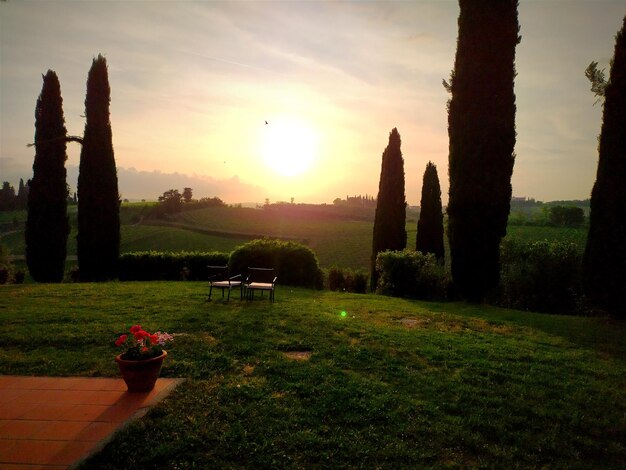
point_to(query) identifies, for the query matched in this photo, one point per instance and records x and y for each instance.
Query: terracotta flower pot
(140, 376)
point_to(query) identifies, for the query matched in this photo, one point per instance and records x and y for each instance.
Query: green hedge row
(294, 263)
(347, 280)
(155, 265)
(540, 276)
(411, 274)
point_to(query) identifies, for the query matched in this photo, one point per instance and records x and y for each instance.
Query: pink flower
(121, 340)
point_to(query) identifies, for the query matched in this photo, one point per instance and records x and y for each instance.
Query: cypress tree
(98, 240)
(390, 218)
(47, 224)
(22, 195)
(430, 224)
(481, 128)
(604, 262)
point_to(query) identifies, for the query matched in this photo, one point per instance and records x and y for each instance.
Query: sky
(255, 100)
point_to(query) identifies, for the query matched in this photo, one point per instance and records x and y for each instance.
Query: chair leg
(210, 291)
(228, 299)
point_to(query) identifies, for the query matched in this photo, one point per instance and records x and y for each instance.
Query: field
(338, 238)
(393, 384)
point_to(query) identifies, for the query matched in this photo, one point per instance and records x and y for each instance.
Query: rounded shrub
(294, 263)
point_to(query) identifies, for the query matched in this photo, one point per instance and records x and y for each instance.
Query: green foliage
(541, 276)
(295, 264)
(169, 203)
(347, 280)
(604, 265)
(567, 216)
(481, 127)
(430, 224)
(390, 218)
(98, 241)
(154, 265)
(597, 79)
(411, 274)
(47, 225)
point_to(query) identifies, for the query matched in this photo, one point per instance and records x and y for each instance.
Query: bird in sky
(266, 123)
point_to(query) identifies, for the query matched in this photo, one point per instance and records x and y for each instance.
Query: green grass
(460, 386)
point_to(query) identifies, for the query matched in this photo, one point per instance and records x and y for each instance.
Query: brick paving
(55, 422)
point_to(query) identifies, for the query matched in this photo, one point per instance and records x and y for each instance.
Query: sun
(289, 146)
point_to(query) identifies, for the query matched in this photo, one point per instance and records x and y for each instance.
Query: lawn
(393, 383)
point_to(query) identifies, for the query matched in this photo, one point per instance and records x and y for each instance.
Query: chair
(260, 279)
(218, 277)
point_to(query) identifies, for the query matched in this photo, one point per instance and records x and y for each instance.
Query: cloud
(135, 184)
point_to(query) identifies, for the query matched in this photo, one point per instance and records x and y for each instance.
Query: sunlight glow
(289, 146)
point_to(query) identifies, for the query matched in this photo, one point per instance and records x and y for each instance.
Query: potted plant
(141, 364)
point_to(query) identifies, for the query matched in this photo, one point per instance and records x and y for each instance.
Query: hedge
(295, 264)
(156, 265)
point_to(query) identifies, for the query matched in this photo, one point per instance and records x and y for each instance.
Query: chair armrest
(238, 276)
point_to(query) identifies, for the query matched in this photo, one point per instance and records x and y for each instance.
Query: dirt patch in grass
(413, 322)
(298, 355)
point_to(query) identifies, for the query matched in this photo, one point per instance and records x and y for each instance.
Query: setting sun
(289, 146)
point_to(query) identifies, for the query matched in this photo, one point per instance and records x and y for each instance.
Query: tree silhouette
(98, 240)
(481, 128)
(390, 218)
(604, 261)
(47, 224)
(22, 195)
(430, 224)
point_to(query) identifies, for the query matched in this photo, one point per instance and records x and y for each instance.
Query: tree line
(47, 224)
(481, 130)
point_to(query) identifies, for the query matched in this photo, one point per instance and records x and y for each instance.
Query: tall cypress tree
(430, 224)
(604, 262)
(98, 199)
(22, 195)
(47, 225)
(390, 218)
(481, 128)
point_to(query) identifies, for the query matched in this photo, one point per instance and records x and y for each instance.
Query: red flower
(154, 339)
(144, 349)
(135, 329)
(121, 340)
(140, 335)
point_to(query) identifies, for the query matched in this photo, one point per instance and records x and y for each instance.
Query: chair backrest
(218, 273)
(261, 275)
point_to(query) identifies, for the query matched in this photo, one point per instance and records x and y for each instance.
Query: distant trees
(356, 201)
(390, 218)
(47, 225)
(481, 128)
(9, 200)
(98, 240)
(171, 201)
(430, 224)
(566, 216)
(604, 262)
